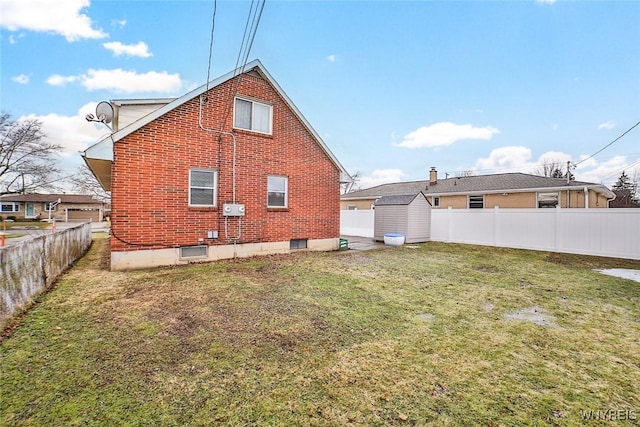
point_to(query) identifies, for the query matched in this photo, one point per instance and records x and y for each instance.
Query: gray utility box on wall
(232, 209)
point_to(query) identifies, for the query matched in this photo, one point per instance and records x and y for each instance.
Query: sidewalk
(362, 243)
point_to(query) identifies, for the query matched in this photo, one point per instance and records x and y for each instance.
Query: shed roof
(398, 199)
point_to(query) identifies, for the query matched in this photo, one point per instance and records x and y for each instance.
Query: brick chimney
(433, 176)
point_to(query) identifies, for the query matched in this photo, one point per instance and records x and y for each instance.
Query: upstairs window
(476, 202)
(436, 202)
(252, 115)
(202, 187)
(277, 193)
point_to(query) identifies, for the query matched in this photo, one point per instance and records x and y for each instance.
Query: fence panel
(602, 232)
(357, 223)
(30, 266)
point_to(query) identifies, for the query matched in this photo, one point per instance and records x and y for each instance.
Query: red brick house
(230, 169)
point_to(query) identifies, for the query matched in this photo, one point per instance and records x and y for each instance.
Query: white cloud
(607, 125)
(505, 158)
(73, 133)
(22, 79)
(59, 17)
(607, 171)
(120, 23)
(381, 176)
(445, 133)
(139, 49)
(121, 81)
(331, 58)
(58, 80)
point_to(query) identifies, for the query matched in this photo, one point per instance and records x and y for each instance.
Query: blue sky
(393, 88)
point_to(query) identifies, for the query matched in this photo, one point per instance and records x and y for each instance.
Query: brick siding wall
(150, 177)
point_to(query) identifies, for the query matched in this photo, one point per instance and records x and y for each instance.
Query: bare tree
(464, 174)
(27, 159)
(550, 168)
(86, 183)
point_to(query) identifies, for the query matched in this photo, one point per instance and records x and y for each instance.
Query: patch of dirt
(534, 315)
(591, 262)
(486, 268)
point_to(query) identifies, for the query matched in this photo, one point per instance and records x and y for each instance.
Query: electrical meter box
(232, 209)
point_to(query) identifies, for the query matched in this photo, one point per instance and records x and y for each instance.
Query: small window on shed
(298, 244)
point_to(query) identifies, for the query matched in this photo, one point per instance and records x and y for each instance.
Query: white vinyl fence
(601, 232)
(30, 266)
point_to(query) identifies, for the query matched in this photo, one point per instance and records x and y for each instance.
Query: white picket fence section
(601, 232)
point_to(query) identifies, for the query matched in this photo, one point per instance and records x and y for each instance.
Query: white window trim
(47, 206)
(215, 187)
(436, 201)
(286, 192)
(253, 103)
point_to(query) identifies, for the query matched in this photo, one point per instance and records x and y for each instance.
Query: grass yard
(433, 334)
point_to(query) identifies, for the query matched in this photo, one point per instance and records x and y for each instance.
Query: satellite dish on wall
(104, 111)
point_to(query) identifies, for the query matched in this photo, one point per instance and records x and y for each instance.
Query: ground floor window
(10, 207)
(202, 187)
(277, 192)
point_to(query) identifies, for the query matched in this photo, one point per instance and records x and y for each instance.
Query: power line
(213, 27)
(608, 145)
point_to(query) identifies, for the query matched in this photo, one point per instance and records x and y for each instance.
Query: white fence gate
(601, 232)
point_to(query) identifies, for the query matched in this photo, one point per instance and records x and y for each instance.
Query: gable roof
(103, 149)
(480, 184)
(65, 198)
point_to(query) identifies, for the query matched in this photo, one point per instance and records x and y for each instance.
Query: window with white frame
(436, 202)
(547, 200)
(10, 207)
(351, 207)
(252, 115)
(202, 187)
(277, 193)
(50, 206)
(476, 202)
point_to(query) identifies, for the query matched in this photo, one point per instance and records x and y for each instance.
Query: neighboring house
(229, 169)
(61, 207)
(505, 190)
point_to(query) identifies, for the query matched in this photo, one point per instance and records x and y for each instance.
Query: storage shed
(408, 214)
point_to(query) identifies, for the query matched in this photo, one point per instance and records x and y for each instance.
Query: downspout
(586, 198)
